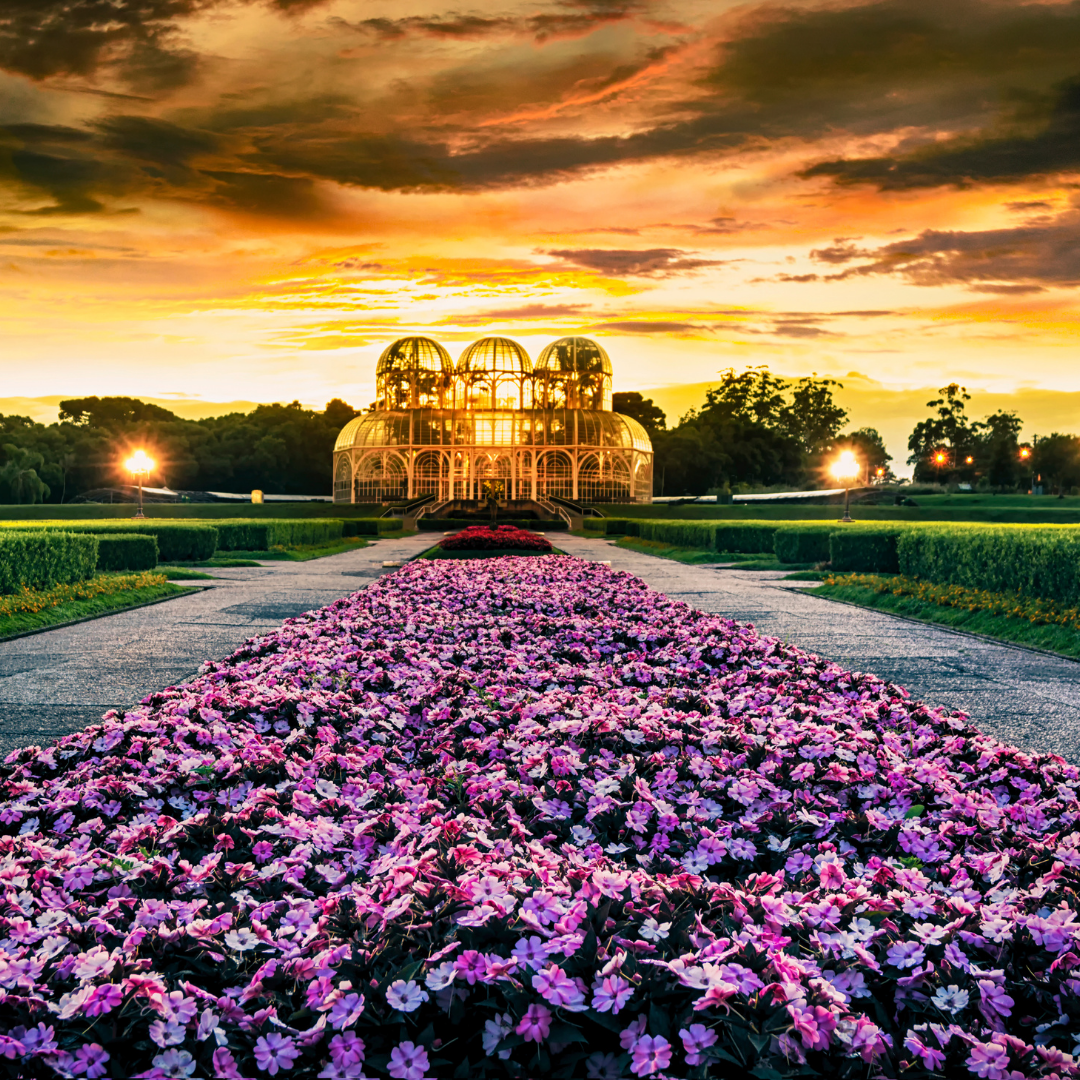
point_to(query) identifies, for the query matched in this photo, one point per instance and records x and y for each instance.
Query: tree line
(755, 429)
(280, 449)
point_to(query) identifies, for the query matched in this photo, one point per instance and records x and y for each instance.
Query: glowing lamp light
(846, 466)
(969, 460)
(1025, 453)
(140, 465)
(940, 458)
(139, 462)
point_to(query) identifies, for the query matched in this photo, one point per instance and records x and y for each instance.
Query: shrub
(749, 537)
(614, 526)
(127, 551)
(689, 534)
(176, 543)
(287, 532)
(1033, 561)
(39, 560)
(868, 549)
(807, 542)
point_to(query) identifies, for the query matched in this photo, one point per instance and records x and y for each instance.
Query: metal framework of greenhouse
(493, 424)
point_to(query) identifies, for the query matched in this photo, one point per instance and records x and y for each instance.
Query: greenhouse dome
(494, 424)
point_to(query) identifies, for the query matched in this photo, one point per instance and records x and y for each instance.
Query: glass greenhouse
(494, 423)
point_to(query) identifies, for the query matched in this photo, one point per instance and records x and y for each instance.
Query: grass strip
(769, 564)
(666, 551)
(301, 553)
(1034, 623)
(181, 573)
(30, 610)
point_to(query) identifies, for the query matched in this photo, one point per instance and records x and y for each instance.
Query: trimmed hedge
(866, 549)
(127, 551)
(613, 526)
(264, 535)
(176, 543)
(1031, 561)
(803, 543)
(687, 534)
(746, 537)
(39, 560)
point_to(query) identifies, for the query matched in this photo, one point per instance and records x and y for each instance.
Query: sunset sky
(227, 200)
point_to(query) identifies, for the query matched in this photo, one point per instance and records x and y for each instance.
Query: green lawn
(1057, 639)
(668, 551)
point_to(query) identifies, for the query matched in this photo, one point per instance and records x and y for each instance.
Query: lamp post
(140, 465)
(845, 468)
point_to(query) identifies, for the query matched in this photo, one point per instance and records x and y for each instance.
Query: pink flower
(274, 1052)
(814, 1025)
(630, 1035)
(408, 1062)
(650, 1054)
(610, 994)
(225, 1064)
(932, 1059)
(535, 1025)
(557, 988)
(105, 998)
(346, 1010)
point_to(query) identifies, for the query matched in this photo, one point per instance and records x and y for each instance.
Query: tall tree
(948, 433)
(644, 410)
(812, 417)
(19, 479)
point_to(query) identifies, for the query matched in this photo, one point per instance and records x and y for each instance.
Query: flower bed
(496, 538)
(533, 819)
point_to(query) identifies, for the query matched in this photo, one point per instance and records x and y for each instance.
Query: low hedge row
(39, 560)
(176, 543)
(127, 551)
(803, 543)
(264, 535)
(751, 537)
(1030, 561)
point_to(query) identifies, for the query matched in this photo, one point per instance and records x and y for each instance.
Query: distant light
(968, 460)
(846, 466)
(139, 462)
(1025, 452)
(940, 458)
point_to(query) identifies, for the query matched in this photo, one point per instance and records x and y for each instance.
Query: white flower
(651, 930)
(405, 996)
(495, 1031)
(951, 999)
(438, 978)
(241, 940)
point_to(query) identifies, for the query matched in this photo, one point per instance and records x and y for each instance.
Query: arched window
(343, 480)
(604, 478)
(381, 477)
(555, 474)
(431, 474)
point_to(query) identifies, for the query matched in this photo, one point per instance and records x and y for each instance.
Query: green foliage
(127, 551)
(1039, 561)
(264, 535)
(687, 534)
(807, 542)
(751, 537)
(613, 526)
(276, 448)
(644, 410)
(176, 542)
(869, 549)
(19, 479)
(40, 560)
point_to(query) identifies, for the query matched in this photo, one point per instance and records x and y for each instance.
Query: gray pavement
(59, 681)
(1023, 697)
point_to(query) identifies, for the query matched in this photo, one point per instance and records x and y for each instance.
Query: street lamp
(140, 465)
(845, 468)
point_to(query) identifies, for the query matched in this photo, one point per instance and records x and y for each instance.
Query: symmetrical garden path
(64, 679)
(1023, 697)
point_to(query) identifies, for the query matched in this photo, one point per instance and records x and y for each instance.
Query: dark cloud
(644, 326)
(619, 262)
(841, 250)
(1047, 144)
(1003, 261)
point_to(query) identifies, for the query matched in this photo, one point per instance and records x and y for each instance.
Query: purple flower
(404, 996)
(650, 1054)
(906, 954)
(347, 1009)
(989, 1060)
(696, 1039)
(274, 1052)
(90, 1061)
(408, 1062)
(611, 994)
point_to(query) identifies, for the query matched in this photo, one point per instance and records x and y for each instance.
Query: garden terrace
(533, 818)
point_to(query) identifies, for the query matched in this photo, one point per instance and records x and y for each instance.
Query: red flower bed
(495, 537)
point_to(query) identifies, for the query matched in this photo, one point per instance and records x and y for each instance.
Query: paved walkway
(1023, 697)
(61, 680)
